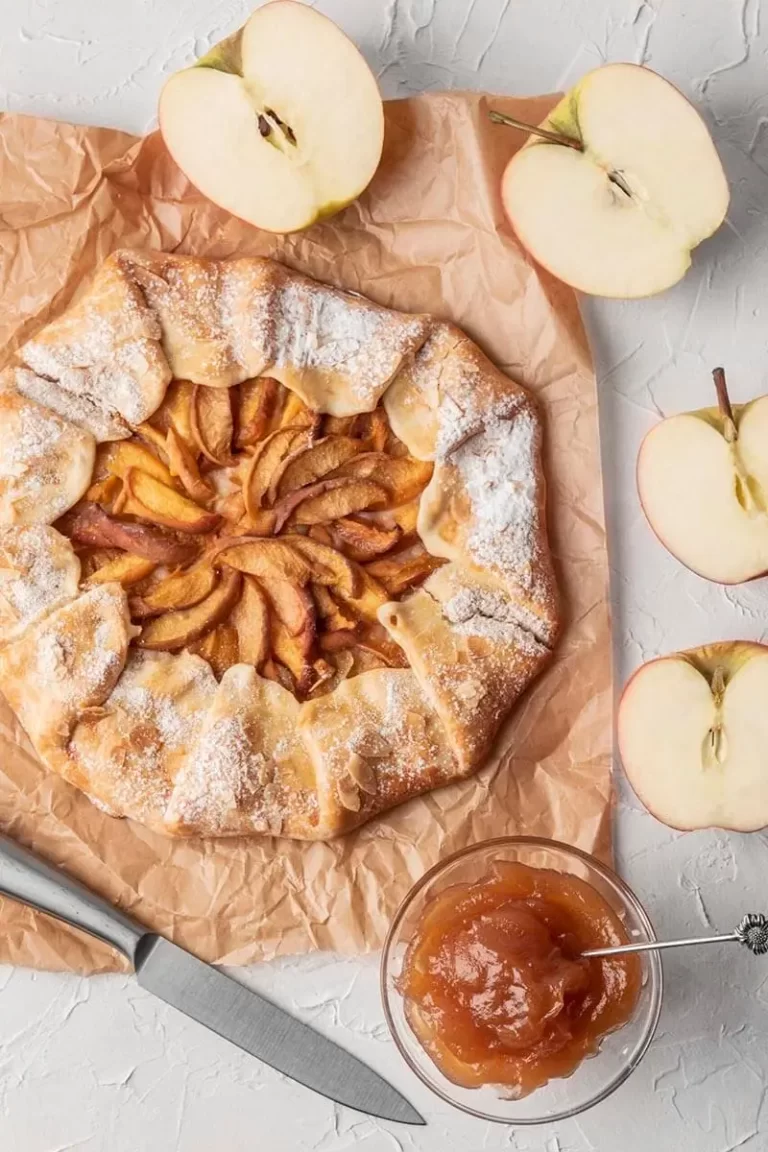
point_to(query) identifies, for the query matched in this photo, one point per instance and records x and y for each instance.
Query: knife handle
(25, 877)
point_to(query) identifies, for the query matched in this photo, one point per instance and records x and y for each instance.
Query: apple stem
(553, 137)
(724, 403)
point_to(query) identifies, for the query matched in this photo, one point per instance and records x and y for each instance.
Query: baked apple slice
(147, 498)
(329, 565)
(176, 411)
(335, 618)
(250, 617)
(371, 598)
(257, 402)
(182, 463)
(219, 648)
(364, 541)
(268, 560)
(317, 461)
(294, 652)
(104, 491)
(175, 630)
(182, 590)
(128, 455)
(285, 507)
(210, 422)
(125, 569)
(405, 517)
(337, 502)
(90, 525)
(264, 463)
(404, 477)
(297, 414)
(294, 606)
(399, 573)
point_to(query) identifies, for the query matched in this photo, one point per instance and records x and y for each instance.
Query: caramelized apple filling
(249, 528)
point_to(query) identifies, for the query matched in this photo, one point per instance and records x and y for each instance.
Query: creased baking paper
(428, 236)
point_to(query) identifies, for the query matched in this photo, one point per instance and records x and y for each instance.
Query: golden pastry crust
(152, 735)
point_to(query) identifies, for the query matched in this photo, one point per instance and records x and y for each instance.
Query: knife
(206, 994)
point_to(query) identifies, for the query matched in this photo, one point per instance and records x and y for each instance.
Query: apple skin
(225, 56)
(564, 119)
(714, 417)
(705, 658)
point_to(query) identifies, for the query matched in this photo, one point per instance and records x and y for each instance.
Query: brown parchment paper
(429, 235)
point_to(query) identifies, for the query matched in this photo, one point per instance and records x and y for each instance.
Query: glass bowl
(620, 1052)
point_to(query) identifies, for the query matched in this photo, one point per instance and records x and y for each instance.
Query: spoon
(752, 932)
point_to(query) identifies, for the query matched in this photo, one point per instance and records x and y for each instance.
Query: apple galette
(274, 558)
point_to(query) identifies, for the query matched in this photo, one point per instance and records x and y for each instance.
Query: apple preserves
(495, 988)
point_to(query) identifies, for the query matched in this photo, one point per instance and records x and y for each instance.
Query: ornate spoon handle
(752, 932)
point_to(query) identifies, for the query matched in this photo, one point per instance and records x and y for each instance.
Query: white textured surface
(97, 1066)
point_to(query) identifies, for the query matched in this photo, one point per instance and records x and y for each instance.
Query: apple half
(702, 478)
(633, 185)
(693, 736)
(281, 124)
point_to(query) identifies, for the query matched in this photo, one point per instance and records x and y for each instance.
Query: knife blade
(205, 993)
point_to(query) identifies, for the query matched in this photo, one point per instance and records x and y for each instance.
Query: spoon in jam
(752, 932)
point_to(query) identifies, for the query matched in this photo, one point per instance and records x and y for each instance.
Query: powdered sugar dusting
(27, 449)
(319, 329)
(495, 454)
(37, 567)
(229, 774)
(81, 410)
(69, 666)
(105, 349)
(489, 614)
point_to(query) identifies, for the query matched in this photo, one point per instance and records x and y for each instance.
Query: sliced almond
(348, 794)
(371, 744)
(362, 774)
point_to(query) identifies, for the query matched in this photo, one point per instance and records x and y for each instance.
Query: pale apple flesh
(704, 493)
(693, 737)
(282, 124)
(620, 216)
